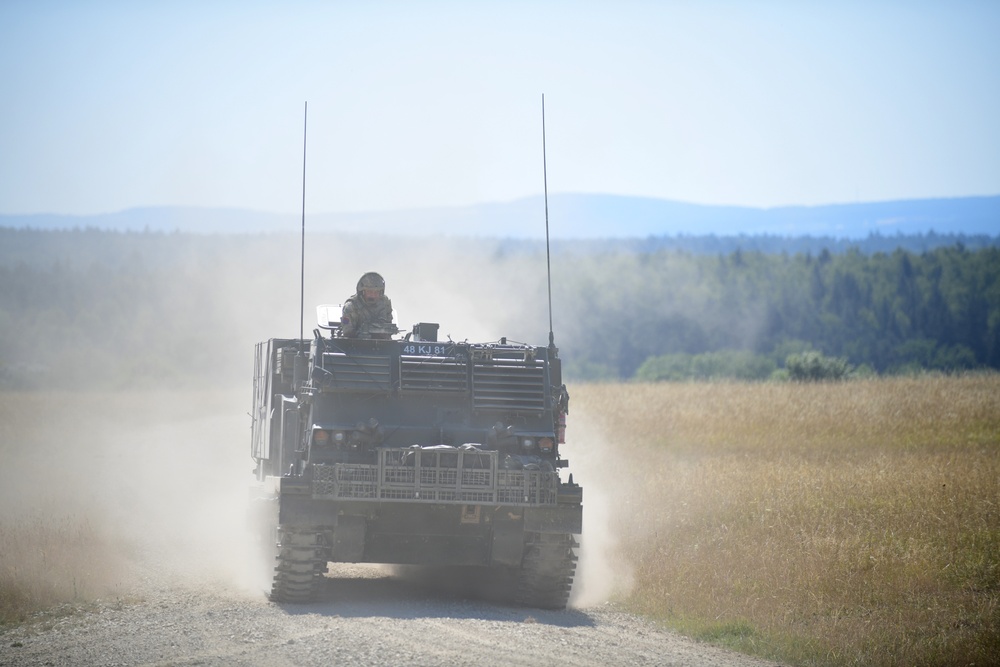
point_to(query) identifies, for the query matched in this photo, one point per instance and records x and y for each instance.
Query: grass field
(97, 490)
(820, 524)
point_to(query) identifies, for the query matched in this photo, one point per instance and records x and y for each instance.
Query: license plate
(426, 349)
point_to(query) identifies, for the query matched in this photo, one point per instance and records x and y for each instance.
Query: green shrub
(816, 367)
(724, 364)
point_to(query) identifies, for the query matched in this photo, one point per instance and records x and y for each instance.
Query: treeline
(887, 312)
(711, 244)
(83, 246)
(91, 308)
(101, 326)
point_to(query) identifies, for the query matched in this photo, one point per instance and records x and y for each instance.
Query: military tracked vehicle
(403, 449)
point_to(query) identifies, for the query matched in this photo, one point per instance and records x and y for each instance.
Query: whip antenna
(302, 258)
(548, 260)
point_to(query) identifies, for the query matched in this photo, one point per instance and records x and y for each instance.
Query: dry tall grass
(50, 560)
(821, 524)
(98, 491)
(51, 549)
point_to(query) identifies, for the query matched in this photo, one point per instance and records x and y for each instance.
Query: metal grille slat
(506, 384)
(436, 476)
(445, 374)
(356, 372)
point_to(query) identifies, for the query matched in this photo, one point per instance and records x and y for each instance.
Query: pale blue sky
(111, 105)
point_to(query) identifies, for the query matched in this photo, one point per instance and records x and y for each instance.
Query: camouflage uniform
(359, 317)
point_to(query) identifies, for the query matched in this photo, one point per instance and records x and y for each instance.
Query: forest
(92, 308)
(746, 312)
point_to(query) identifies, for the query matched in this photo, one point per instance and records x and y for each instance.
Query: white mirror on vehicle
(328, 316)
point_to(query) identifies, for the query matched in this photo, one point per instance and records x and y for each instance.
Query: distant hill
(571, 216)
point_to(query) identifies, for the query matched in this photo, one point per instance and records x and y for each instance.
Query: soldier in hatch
(368, 312)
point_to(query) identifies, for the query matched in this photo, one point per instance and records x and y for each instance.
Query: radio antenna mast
(548, 260)
(302, 258)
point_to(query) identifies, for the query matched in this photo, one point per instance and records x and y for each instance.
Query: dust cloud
(156, 482)
(158, 477)
(603, 571)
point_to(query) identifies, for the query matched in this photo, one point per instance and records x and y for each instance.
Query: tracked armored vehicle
(403, 449)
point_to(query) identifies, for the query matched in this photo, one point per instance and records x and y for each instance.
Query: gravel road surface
(366, 616)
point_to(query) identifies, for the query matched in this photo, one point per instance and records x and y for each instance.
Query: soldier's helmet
(371, 287)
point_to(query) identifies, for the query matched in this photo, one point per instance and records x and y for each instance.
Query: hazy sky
(110, 105)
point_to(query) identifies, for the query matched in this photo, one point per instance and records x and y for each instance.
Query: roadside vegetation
(100, 492)
(815, 524)
(50, 561)
(55, 549)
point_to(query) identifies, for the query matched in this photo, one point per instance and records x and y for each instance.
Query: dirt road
(366, 616)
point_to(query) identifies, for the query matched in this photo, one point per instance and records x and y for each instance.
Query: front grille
(435, 476)
(355, 372)
(345, 481)
(444, 374)
(511, 385)
(527, 487)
